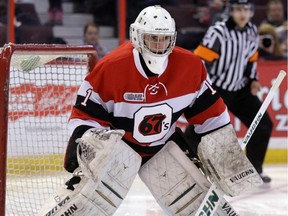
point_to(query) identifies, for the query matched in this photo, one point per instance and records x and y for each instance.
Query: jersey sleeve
(90, 109)
(208, 112)
(209, 49)
(251, 68)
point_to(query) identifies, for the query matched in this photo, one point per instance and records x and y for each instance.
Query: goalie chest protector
(119, 93)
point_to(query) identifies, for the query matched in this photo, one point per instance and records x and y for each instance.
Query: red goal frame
(5, 56)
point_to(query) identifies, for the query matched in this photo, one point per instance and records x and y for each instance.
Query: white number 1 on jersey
(88, 94)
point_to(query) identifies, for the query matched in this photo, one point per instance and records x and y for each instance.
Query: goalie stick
(215, 195)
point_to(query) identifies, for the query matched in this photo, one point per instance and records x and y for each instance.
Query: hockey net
(37, 98)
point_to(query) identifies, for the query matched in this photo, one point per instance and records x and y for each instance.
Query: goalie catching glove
(226, 163)
(94, 148)
(109, 167)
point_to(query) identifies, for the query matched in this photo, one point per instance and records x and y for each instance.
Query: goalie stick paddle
(263, 108)
(214, 195)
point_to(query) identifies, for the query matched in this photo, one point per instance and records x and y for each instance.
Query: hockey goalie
(124, 123)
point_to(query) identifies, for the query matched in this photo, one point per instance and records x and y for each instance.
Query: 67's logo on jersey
(152, 123)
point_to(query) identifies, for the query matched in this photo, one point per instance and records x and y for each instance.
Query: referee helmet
(246, 3)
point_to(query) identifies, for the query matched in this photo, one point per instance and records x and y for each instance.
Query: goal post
(38, 86)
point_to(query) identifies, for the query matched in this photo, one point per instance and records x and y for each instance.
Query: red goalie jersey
(118, 94)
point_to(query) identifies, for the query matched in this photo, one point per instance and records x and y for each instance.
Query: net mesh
(42, 91)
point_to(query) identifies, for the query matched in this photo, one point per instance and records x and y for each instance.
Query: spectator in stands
(276, 17)
(55, 13)
(91, 37)
(269, 46)
(275, 13)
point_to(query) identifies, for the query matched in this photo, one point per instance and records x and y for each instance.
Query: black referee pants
(245, 106)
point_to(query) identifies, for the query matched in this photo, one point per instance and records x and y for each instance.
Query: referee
(229, 49)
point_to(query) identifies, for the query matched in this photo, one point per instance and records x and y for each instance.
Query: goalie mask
(153, 34)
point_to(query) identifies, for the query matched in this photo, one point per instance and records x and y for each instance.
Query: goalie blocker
(109, 167)
(226, 163)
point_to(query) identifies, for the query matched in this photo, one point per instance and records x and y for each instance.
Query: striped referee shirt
(232, 53)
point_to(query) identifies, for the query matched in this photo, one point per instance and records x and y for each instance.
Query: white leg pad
(226, 162)
(67, 202)
(98, 196)
(167, 175)
(176, 183)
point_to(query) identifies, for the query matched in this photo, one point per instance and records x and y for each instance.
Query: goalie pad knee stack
(226, 163)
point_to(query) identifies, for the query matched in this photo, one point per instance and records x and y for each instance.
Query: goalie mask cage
(38, 89)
